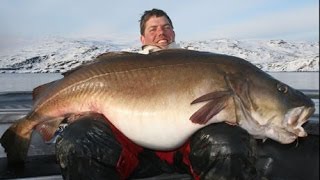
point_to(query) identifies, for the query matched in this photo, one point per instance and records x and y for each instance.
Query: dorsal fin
(113, 54)
(40, 89)
(100, 57)
(76, 68)
(217, 102)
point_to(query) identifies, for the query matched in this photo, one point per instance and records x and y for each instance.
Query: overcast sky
(193, 20)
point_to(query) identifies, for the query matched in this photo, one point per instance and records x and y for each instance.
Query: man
(92, 148)
(156, 31)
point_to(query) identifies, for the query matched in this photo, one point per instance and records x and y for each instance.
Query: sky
(192, 19)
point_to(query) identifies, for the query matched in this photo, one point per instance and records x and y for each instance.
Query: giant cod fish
(159, 100)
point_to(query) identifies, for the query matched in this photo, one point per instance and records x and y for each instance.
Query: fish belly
(158, 126)
(158, 131)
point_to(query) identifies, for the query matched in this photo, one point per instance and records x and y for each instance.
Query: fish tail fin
(16, 140)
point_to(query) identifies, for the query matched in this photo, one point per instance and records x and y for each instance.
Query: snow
(12, 82)
(57, 54)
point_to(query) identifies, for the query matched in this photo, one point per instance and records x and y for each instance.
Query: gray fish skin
(159, 100)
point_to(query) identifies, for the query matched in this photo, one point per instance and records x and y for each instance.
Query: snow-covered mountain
(62, 54)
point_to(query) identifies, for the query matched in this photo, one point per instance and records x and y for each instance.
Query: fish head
(268, 108)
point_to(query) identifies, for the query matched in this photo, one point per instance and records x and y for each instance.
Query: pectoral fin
(217, 102)
(48, 128)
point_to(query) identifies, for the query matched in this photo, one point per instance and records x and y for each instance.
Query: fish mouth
(295, 118)
(292, 125)
(286, 132)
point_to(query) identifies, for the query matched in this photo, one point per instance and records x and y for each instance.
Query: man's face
(158, 31)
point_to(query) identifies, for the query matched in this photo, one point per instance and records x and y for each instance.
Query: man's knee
(87, 149)
(224, 139)
(223, 151)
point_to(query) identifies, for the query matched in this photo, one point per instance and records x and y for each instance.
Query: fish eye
(282, 88)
